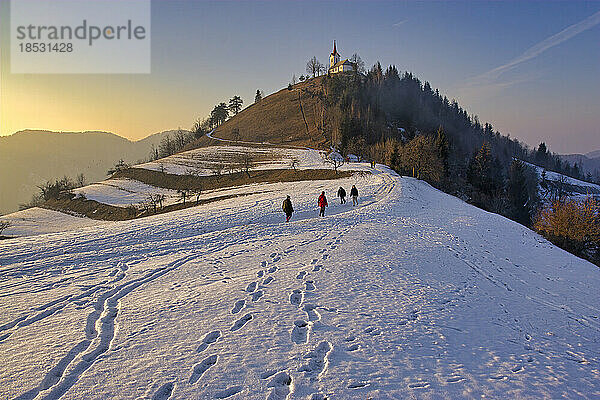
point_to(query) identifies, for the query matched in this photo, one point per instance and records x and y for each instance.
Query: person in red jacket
(322, 204)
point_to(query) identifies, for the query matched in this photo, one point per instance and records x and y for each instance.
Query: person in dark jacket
(354, 195)
(342, 195)
(322, 204)
(287, 208)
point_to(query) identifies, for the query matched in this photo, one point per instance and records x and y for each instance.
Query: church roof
(342, 62)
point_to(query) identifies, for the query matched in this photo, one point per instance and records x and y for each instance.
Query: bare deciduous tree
(335, 160)
(183, 194)
(314, 67)
(245, 162)
(294, 163)
(80, 180)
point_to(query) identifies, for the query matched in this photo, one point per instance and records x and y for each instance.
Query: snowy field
(123, 192)
(201, 161)
(413, 294)
(39, 221)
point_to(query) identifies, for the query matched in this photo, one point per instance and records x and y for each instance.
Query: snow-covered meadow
(202, 161)
(412, 294)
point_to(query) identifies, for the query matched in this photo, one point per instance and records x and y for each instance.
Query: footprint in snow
(311, 312)
(202, 367)
(301, 275)
(272, 269)
(237, 307)
(289, 249)
(353, 347)
(260, 273)
(310, 286)
(419, 385)
(209, 339)
(317, 268)
(281, 386)
(314, 261)
(317, 359)
(296, 297)
(230, 391)
(164, 392)
(517, 368)
(357, 385)
(241, 322)
(373, 331)
(257, 295)
(299, 333)
(251, 287)
(267, 280)
(263, 264)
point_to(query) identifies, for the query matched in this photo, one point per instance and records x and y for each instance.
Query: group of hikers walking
(321, 202)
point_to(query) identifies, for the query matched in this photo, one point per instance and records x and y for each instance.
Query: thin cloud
(397, 24)
(539, 48)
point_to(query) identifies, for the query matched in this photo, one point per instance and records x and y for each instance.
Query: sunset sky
(532, 69)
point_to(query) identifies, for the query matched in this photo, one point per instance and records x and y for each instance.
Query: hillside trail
(412, 294)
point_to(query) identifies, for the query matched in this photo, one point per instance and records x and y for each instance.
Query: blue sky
(205, 52)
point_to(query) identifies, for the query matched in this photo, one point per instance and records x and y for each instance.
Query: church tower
(334, 57)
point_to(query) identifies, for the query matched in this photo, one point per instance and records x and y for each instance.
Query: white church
(336, 66)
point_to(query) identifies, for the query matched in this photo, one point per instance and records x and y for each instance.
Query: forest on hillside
(402, 122)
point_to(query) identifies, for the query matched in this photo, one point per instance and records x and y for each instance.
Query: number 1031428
(46, 47)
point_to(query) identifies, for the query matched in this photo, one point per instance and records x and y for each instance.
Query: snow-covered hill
(412, 294)
(574, 188)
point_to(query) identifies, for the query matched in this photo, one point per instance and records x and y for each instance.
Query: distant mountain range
(589, 162)
(29, 158)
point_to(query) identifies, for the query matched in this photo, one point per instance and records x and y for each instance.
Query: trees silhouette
(521, 190)
(258, 97)
(235, 104)
(314, 67)
(359, 64)
(219, 114)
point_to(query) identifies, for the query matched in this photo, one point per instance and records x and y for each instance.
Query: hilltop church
(336, 66)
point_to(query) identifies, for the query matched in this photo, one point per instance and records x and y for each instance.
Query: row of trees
(219, 114)
(168, 145)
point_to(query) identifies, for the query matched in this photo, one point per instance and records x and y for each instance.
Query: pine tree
(541, 155)
(235, 104)
(518, 193)
(484, 171)
(258, 96)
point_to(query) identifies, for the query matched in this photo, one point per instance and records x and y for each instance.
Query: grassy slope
(277, 119)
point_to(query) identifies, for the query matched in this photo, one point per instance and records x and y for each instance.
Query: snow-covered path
(412, 294)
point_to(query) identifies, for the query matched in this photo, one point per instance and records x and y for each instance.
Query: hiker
(354, 195)
(322, 204)
(287, 208)
(342, 195)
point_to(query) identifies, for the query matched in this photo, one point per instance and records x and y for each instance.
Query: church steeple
(334, 57)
